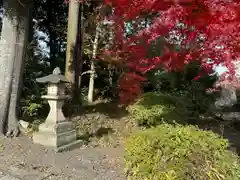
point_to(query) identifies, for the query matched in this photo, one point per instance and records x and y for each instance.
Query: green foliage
(181, 84)
(154, 108)
(35, 66)
(31, 108)
(175, 152)
(196, 100)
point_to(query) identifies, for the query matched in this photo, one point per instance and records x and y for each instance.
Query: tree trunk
(15, 34)
(73, 15)
(8, 40)
(92, 68)
(74, 52)
(110, 66)
(79, 52)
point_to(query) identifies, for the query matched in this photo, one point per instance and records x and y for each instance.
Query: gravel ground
(22, 159)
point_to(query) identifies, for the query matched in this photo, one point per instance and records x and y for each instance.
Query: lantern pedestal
(56, 131)
(63, 141)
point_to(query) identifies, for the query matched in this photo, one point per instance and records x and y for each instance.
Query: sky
(220, 69)
(42, 43)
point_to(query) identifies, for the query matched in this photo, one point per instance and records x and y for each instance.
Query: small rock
(227, 98)
(231, 116)
(24, 124)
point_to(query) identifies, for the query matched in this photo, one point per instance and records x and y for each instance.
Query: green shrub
(154, 108)
(196, 100)
(36, 66)
(182, 85)
(175, 152)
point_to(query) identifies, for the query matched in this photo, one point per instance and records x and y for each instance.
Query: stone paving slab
(27, 175)
(8, 177)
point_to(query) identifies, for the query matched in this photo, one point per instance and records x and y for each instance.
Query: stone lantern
(56, 131)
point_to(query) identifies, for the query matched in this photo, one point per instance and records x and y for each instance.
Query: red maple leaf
(210, 31)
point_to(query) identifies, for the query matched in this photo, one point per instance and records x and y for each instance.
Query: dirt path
(22, 159)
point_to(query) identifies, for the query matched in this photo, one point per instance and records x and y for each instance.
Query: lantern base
(59, 140)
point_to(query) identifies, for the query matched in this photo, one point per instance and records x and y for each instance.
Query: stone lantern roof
(55, 78)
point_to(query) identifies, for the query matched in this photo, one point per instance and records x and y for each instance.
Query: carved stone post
(56, 131)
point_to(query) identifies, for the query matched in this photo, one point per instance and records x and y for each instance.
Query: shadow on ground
(99, 133)
(110, 109)
(102, 124)
(227, 129)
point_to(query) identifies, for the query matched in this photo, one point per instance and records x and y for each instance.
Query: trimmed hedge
(154, 108)
(175, 152)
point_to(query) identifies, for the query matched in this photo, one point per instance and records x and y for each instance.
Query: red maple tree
(210, 32)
